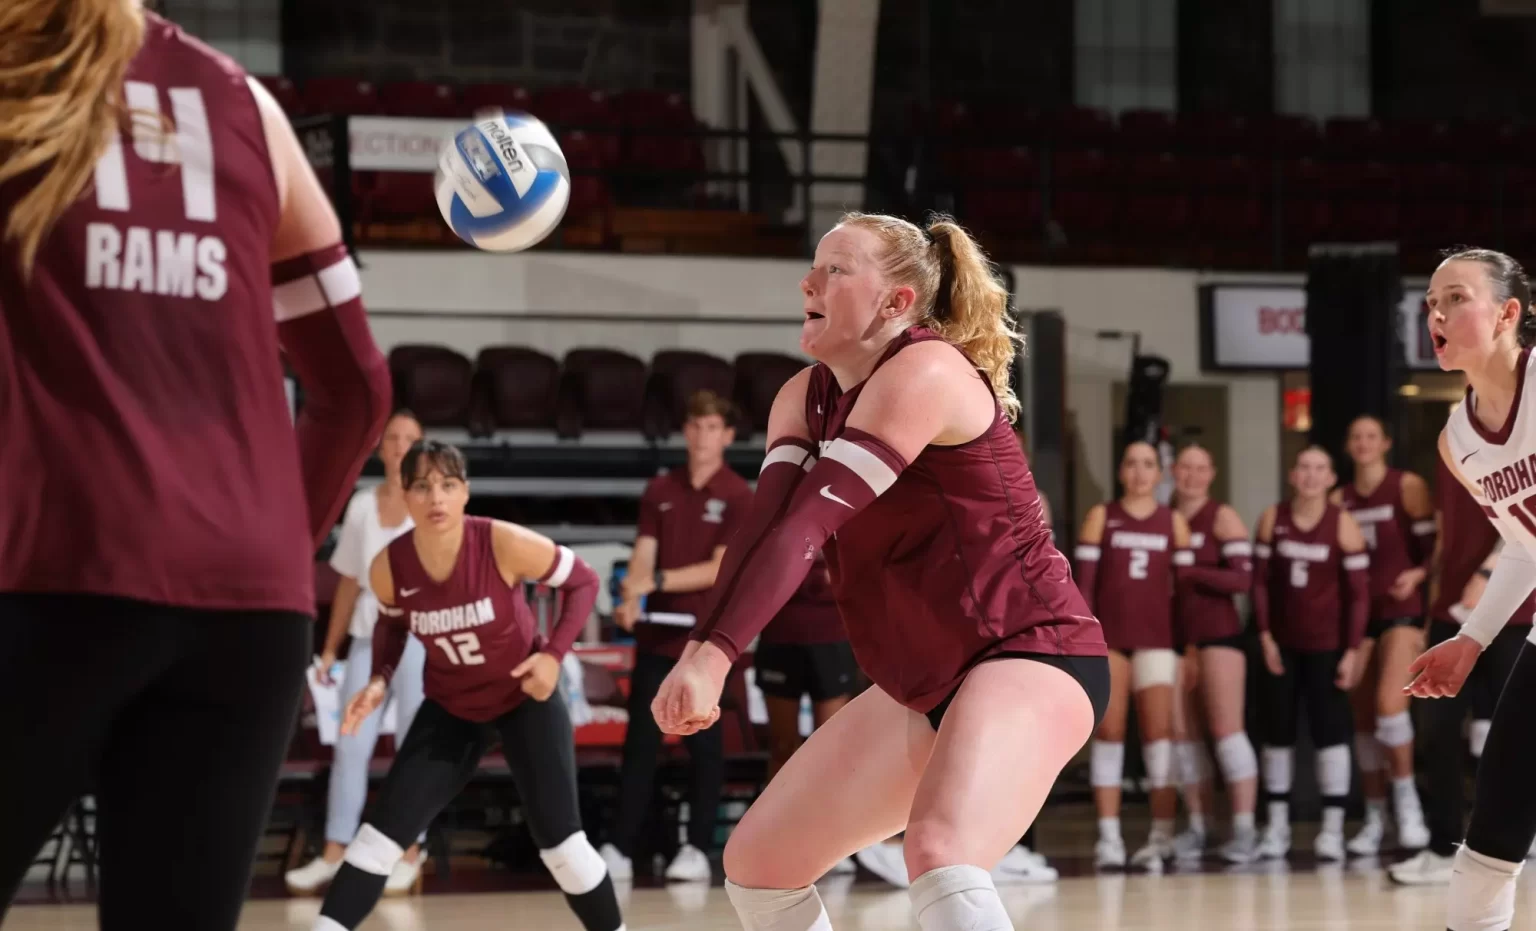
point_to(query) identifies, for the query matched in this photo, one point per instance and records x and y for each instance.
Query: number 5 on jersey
(462, 649)
(1298, 573)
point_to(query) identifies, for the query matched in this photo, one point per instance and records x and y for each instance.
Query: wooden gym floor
(1275, 896)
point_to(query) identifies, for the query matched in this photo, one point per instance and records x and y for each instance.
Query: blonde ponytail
(62, 64)
(958, 296)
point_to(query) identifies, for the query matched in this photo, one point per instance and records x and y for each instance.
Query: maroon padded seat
(434, 382)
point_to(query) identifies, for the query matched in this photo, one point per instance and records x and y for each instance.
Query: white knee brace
(1482, 893)
(1395, 730)
(1157, 756)
(1234, 753)
(1106, 764)
(1150, 668)
(577, 867)
(1191, 762)
(1279, 769)
(1368, 754)
(372, 852)
(778, 909)
(1477, 736)
(1333, 770)
(954, 897)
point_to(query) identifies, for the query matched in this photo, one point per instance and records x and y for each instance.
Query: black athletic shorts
(1380, 625)
(1091, 672)
(1235, 641)
(820, 670)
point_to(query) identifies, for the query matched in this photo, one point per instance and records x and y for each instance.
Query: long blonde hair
(62, 64)
(958, 296)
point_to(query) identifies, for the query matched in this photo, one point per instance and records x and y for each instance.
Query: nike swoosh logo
(1469, 456)
(826, 492)
(408, 592)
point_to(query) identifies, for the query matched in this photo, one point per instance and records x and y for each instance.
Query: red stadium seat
(419, 98)
(434, 382)
(573, 108)
(600, 389)
(402, 195)
(759, 376)
(1011, 212)
(1229, 216)
(1083, 211)
(340, 96)
(475, 97)
(1148, 130)
(1287, 134)
(1216, 133)
(676, 374)
(515, 388)
(1084, 127)
(652, 108)
(1071, 168)
(1013, 165)
(1157, 215)
(1354, 137)
(284, 91)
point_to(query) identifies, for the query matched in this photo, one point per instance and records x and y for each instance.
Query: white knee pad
(1157, 756)
(953, 897)
(1333, 770)
(1395, 730)
(1368, 755)
(1234, 753)
(576, 865)
(1191, 763)
(1153, 667)
(1106, 764)
(1279, 769)
(1482, 893)
(1477, 736)
(372, 852)
(778, 909)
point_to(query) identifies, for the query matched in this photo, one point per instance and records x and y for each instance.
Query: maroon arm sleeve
(324, 330)
(389, 636)
(578, 586)
(1183, 561)
(800, 503)
(1232, 576)
(1424, 532)
(1357, 592)
(1260, 596)
(1086, 573)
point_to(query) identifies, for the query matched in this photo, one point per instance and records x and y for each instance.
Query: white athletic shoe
(1367, 843)
(887, 861)
(1189, 845)
(1329, 845)
(1412, 832)
(404, 877)
(620, 867)
(1109, 853)
(307, 879)
(843, 867)
(689, 866)
(1023, 865)
(1275, 842)
(1159, 847)
(1242, 849)
(1424, 868)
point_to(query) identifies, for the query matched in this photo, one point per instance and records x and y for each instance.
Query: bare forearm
(696, 577)
(342, 606)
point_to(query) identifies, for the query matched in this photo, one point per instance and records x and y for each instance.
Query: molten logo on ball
(503, 184)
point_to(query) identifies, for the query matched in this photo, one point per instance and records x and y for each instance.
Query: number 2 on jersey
(1139, 561)
(462, 649)
(190, 146)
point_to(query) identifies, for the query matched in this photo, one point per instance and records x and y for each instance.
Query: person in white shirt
(374, 517)
(1480, 322)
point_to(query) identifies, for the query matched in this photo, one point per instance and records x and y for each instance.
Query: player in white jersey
(1480, 319)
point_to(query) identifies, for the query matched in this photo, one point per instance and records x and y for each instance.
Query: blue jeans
(349, 765)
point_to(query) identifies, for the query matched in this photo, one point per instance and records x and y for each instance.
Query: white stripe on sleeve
(863, 463)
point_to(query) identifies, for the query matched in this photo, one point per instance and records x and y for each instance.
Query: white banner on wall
(401, 143)
(1259, 327)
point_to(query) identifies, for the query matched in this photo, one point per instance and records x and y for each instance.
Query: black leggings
(177, 720)
(1504, 816)
(1307, 680)
(1444, 746)
(642, 752)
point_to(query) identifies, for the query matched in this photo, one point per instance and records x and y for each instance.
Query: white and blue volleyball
(502, 183)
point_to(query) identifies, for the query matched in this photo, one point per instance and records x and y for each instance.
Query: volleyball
(502, 183)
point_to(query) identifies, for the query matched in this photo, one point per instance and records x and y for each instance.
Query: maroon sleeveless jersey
(1388, 532)
(1133, 594)
(145, 426)
(1208, 615)
(1307, 594)
(952, 564)
(810, 616)
(1467, 536)
(475, 626)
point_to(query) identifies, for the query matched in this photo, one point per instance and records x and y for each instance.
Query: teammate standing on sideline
(1214, 701)
(894, 454)
(1468, 545)
(1396, 515)
(164, 237)
(1480, 323)
(375, 517)
(1311, 600)
(686, 518)
(456, 583)
(1128, 555)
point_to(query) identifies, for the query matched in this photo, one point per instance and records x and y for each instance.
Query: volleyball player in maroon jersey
(1467, 545)
(1128, 553)
(1213, 702)
(1395, 514)
(1311, 600)
(895, 454)
(456, 583)
(159, 528)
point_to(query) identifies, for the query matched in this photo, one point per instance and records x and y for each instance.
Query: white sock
(1197, 822)
(778, 909)
(1405, 793)
(324, 923)
(1333, 819)
(957, 898)
(1242, 822)
(1279, 814)
(1375, 810)
(1161, 827)
(1109, 829)
(1482, 893)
